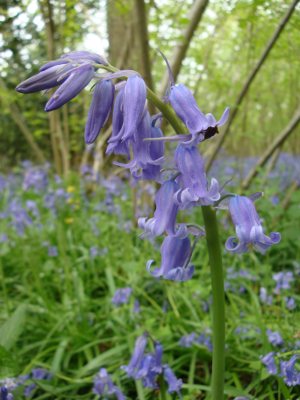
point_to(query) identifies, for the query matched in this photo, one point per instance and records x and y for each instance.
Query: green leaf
(8, 364)
(13, 327)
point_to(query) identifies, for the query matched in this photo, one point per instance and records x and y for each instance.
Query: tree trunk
(249, 81)
(181, 49)
(60, 152)
(19, 120)
(278, 142)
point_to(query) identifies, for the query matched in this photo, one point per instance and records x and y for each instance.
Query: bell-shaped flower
(134, 101)
(45, 79)
(143, 151)
(77, 80)
(115, 144)
(194, 186)
(174, 384)
(100, 108)
(175, 256)
(200, 126)
(134, 365)
(248, 227)
(164, 219)
(103, 385)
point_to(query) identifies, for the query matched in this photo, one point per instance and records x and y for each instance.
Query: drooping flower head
(103, 385)
(165, 213)
(248, 227)
(100, 108)
(194, 185)
(175, 256)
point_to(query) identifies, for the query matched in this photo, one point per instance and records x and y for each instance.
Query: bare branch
(281, 138)
(249, 81)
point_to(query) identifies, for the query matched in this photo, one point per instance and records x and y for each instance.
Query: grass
(56, 311)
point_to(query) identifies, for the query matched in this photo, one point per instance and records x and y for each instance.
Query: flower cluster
(284, 369)
(147, 367)
(137, 136)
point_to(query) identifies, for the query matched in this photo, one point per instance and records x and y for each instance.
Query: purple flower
(45, 79)
(165, 213)
(151, 367)
(248, 227)
(134, 101)
(269, 362)
(187, 340)
(100, 108)
(264, 297)
(77, 80)
(289, 373)
(283, 280)
(138, 354)
(52, 251)
(40, 373)
(175, 256)
(173, 383)
(193, 178)
(78, 57)
(142, 157)
(4, 394)
(103, 385)
(200, 126)
(274, 338)
(121, 296)
(290, 303)
(136, 307)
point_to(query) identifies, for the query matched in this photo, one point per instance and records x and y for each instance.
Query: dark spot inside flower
(210, 132)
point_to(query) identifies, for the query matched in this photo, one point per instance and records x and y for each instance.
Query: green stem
(218, 303)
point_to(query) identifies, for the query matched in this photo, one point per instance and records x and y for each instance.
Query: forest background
(214, 46)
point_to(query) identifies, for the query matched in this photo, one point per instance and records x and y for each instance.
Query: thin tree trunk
(19, 120)
(249, 81)
(60, 153)
(181, 49)
(278, 142)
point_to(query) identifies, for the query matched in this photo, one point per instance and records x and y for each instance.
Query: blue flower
(289, 373)
(100, 108)
(193, 179)
(283, 280)
(248, 227)
(77, 79)
(121, 296)
(269, 362)
(175, 256)
(174, 384)
(103, 385)
(165, 213)
(274, 338)
(134, 365)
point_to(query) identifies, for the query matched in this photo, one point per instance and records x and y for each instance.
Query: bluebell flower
(283, 280)
(104, 386)
(205, 340)
(175, 257)
(40, 373)
(290, 303)
(290, 374)
(187, 340)
(248, 227)
(274, 338)
(121, 296)
(264, 297)
(269, 362)
(134, 101)
(78, 57)
(165, 213)
(141, 149)
(174, 384)
(45, 79)
(100, 109)
(77, 80)
(52, 251)
(5, 394)
(194, 186)
(134, 365)
(136, 307)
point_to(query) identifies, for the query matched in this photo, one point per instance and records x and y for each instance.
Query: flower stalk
(218, 302)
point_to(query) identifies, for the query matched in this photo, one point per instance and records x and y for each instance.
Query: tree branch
(281, 138)
(180, 51)
(249, 81)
